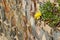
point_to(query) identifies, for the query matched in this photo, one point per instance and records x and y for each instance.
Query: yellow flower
(37, 15)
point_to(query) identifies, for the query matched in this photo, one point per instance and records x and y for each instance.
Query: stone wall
(17, 22)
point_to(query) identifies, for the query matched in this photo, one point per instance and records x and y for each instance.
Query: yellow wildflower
(37, 15)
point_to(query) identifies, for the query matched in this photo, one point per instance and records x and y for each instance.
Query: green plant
(58, 1)
(50, 13)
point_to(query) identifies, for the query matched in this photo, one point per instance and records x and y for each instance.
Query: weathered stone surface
(17, 22)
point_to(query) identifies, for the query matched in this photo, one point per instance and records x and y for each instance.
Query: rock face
(17, 22)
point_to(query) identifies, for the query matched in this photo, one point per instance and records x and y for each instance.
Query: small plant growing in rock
(50, 13)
